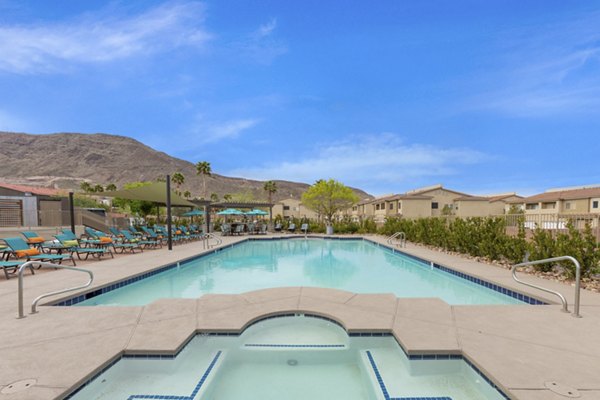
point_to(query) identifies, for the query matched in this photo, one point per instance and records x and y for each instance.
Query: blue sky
(482, 96)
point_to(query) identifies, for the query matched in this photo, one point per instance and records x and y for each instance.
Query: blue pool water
(354, 265)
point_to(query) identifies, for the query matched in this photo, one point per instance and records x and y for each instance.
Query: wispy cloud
(369, 161)
(205, 132)
(98, 38)
(262, 46)
(546, 69)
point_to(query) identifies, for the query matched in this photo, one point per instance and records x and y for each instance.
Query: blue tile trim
(384, 390)
(478, 281)
(303, 346)
(194, 392)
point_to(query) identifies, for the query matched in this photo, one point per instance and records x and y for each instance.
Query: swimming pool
(358, 266)
(290, 357)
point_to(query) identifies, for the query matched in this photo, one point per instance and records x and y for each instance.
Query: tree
(227, 197)
(178, 179)
(270, 187)
(214, 197)
(187, 194)
(98, 188)
(111, 187)
(139, 207)
(328, 197)
(85, 186)
(203, 168)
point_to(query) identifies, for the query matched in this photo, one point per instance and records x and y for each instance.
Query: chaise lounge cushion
(35, 240)
(27, 253)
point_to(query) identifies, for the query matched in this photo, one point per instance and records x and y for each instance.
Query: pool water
(354, 265)
(292, 358)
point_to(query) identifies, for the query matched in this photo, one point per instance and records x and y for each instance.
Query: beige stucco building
(292, 208)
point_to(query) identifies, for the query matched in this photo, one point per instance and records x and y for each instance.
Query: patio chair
(13, 266)
(277, 227)
(239, 229)
(83, 241)
(20, 249)
(225, 230)
(74, 247)
(292, 228)
(106, 241)
(304, 228)
(115, 232)
(262, 229)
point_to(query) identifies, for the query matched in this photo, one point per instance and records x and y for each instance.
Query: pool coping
(108, 287)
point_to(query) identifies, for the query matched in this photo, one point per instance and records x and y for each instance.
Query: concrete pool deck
(519, 347)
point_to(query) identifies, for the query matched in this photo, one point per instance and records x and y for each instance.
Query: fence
(19, 218)
(556, 223)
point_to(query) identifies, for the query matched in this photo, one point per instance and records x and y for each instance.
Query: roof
(155, 192)
(411, 197)
(499, 197)
(434, 187)
(38, 190)
(574, 194)
(472, 198)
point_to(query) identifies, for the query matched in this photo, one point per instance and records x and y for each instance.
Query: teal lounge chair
(98, 235)
(95, 252)
(17, 245)
(13, 266)
(33, 239)
(128, 237)
(292, 228)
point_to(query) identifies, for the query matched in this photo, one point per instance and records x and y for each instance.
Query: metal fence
(18, 218)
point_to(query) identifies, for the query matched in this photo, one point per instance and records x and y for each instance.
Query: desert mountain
(64, 160)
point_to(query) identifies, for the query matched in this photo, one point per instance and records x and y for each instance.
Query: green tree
(187, 194)
(138, 207)
(270, 187)
(328, 197)
(214, 197)
(85, 186)
(111, 187)
(203, 169)
(98, 188)
(178, 179)
(227, 197)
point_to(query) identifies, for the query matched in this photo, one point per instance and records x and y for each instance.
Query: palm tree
(203, 168)
(98, 188)
(178, 179)
(214, 197)
(111, 187)
(85, 186)
(227, 197)
(187, 194)
(270, 187)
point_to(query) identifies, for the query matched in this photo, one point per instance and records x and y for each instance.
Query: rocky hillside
(64, 160)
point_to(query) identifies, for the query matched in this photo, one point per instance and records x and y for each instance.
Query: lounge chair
(225, 230)
(33, 238)
(74, 247)
(13, 266)
(278, 227)
(129, 238)
(239, 229)
(105, 241)
(115, 232)
(292, 228)
(149, 234)
(304, 228)
(83, 241)
(20, 249)
(262, 229)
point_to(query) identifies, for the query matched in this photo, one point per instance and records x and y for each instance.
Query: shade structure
(230, 211)
(155, 192)
(193, 213)
(256, 211)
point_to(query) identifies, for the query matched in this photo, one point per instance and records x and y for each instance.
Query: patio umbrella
(230, 211)
(193, 213)
(256, 211)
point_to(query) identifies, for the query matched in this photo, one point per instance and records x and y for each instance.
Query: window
(286, 208)
(532, 206)
(548, 206)
(434, 205)
(569, 205)
(399, 205)
(391, 206)
(377, 206)
(595, 204)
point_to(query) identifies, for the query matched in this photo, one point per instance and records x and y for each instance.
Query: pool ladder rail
(398, 239)
(565, 307)
(43, 296)
(218, 240)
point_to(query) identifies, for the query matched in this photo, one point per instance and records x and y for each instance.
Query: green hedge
(487, 237)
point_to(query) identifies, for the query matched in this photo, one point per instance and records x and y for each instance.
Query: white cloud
(262, 46)
(267, 29)
(369, 161)
(211, 132)
(96, 38)
(546, 69)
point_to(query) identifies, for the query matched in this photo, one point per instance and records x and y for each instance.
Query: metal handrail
(209, 236)
(37, 299)
(401, 236)
(562, 298)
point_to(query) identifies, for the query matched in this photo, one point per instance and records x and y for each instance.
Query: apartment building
(293, 208)
(578, 200)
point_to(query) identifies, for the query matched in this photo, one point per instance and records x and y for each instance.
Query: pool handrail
(526, 262)
(401, 236)
(37, 299)
(209, 236)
